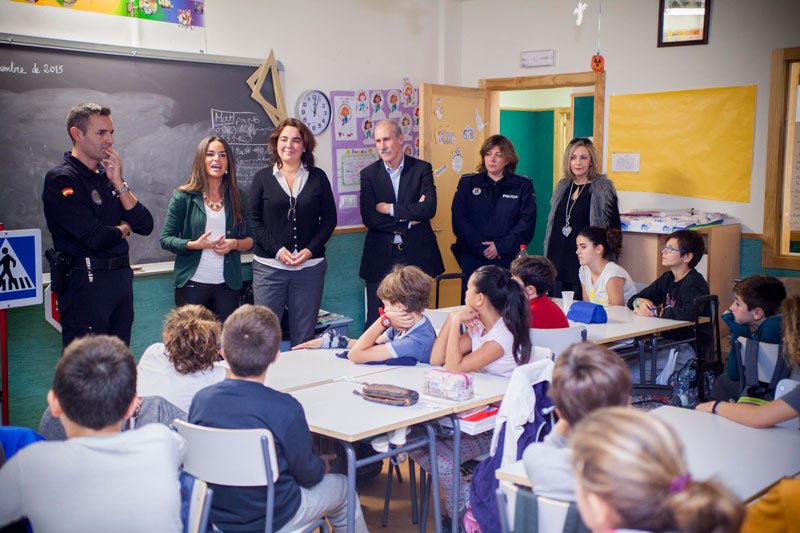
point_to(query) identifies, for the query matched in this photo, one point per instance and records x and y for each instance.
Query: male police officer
(90, 211)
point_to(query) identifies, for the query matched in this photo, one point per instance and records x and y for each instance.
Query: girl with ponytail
(496, 340)
(495, 316)
(603, 281)
(630, 473)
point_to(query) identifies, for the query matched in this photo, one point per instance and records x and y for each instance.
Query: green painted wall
(35, 347)
(531, 132)
(583, 122)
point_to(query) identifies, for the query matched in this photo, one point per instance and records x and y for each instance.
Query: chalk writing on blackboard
(247, 133)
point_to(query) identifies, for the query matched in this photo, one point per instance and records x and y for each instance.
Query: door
(453, 123)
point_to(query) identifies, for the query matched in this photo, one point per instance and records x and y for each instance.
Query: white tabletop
(622, 323)
(306, 368)
(334, 411)
(744, 459)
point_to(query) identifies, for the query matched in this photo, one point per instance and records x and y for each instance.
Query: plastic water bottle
(523, 251)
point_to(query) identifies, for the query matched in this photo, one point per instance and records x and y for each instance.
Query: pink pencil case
(446, 384)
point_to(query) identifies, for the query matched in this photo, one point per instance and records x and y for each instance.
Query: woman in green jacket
(207, 226)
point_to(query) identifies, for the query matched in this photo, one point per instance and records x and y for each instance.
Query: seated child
(630, 473)
(496, 340)
(537, 275)
(98, 479)
(585, 377)
(756, 303)
(602, 281)
(304, 492)
(405, 293)
(776, 411)
(673, 294)
(186, 361)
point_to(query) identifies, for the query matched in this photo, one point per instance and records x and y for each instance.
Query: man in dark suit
(398, 199)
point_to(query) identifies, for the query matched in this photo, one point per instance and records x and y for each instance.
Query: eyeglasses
(669, 249)
(292, 204)
(585, 140)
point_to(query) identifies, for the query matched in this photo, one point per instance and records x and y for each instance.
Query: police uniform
(82, 212)
(502, 211)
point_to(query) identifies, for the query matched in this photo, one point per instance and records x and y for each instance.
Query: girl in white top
(187, 359)
(496, 319)
(604, 282)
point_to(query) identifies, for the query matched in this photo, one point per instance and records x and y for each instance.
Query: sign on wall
(20, 268)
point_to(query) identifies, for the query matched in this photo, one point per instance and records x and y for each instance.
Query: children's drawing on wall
(408, 150)
(409, 94)
(405, 124)
(362, 104)
(479, 123)
(469, 134)
(394, 101)
(457, 162)
(366, 127)
(377, 106)
(350, 163)
(416, 145)
(416, 118)
(438, 109)
(344, 122)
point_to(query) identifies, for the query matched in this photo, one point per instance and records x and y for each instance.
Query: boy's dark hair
(95, 381)
(586, 377)
(761, 290)
(535, 270)
(692, 242)
(407, 285)
(251, 337)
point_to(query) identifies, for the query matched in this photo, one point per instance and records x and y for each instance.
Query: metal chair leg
(413, 484)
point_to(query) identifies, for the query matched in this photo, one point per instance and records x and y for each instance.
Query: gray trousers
(301, 290)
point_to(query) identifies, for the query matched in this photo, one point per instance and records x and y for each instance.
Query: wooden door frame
(576, 79)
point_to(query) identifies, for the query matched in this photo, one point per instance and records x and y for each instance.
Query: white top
(505, 364)
(125, 482)
(299, 182)
(597, 291)
(156, 376)
(210, 268)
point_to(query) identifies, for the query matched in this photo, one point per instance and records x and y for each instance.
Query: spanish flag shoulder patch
(66, 192)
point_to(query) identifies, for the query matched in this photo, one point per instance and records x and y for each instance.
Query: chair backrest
(767, 357)
(196, 499)
(708, 305)
(785, 386)
(228, 456)
(523, 512)
(557, 340)
(448, 275)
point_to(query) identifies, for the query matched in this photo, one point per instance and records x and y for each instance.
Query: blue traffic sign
(20, 268)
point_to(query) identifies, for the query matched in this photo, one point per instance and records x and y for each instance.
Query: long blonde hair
(199, 182)
(635, 463)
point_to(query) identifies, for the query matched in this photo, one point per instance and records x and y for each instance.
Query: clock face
(314, 109)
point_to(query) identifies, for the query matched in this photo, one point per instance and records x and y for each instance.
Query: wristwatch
(386, 322)
(121, 191)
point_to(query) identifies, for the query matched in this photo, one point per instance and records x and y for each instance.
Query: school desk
(744, 459)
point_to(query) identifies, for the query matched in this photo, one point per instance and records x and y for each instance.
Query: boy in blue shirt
(400, 331)
(305, 490)
(754, 314)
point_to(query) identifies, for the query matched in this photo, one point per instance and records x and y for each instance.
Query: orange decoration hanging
(598, 63)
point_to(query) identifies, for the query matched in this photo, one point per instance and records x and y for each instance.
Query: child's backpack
(684, 382)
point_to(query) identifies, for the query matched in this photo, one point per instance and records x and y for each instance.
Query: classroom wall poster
(353, 144)
(185, 13)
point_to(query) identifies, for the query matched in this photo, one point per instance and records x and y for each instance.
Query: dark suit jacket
(418, 240)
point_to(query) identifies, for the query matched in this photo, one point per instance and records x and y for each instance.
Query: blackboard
(161, 107)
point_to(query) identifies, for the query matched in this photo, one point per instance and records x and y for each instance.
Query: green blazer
(186, 221)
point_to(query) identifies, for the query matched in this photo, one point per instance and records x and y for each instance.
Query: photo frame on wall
(683, 22)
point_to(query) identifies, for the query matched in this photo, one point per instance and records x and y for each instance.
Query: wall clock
(314, 109)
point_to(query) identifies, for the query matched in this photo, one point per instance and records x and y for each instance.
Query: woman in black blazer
(294, 215)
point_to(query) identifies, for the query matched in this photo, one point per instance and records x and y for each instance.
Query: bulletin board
(354, 116)
(695, 143)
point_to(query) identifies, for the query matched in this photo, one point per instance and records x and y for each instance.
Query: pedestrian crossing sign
(20, 268)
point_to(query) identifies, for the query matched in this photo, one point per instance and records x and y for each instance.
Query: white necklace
(567, 229)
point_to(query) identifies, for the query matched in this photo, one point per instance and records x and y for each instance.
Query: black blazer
(418, 240)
